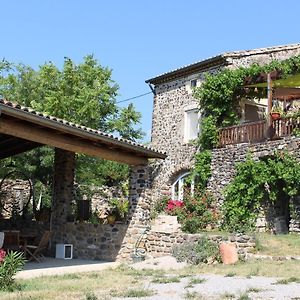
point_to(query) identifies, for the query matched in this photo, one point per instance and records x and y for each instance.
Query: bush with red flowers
(196, 212)
(2, 255)
(173, 205)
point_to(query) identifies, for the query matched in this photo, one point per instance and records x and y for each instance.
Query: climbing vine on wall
(220, 93)
(257, 183)
(202, 169)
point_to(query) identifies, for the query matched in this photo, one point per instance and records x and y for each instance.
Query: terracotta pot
(228, 253)
(275, 115)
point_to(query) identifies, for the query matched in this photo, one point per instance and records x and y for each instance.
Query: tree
(82, 93)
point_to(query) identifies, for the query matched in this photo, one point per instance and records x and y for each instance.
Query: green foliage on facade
(202, 169)
(257, 184)
(220, 93)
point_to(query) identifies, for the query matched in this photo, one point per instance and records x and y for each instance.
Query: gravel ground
(215, 286)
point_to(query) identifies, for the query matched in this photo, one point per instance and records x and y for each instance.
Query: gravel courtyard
(215, 286)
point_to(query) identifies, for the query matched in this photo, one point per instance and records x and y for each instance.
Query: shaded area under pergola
(22, 129)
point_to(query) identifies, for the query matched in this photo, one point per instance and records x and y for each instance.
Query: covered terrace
(22, 129)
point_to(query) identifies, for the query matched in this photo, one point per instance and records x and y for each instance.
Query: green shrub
(159, 207)
(9, 266)
(203, 251)
(259, 184)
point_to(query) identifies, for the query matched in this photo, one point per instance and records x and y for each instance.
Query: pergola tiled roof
(22, 129)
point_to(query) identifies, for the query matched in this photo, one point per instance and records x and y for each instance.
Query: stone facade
(173, 97)
(223, 165)
(225, 159)
(101, 195)
(101, 241)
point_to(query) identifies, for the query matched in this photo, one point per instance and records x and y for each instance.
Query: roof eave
(219, 60)
(92, 134)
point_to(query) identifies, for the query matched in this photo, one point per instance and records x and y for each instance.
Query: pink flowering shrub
(2, 255)
(173, 204)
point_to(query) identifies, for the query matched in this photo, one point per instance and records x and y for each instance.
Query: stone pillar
(139, 211)
(63, 187)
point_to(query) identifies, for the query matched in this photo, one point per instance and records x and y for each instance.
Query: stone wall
(101, 241)
(14, 193)
(172, 99)
(161, 239)
(96, 242)
(225, 159)
(101, 196)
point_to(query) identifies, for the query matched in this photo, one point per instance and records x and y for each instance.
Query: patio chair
(36, 252)
(12, 240)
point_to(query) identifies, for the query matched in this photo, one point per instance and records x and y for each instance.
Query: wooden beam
(52, 138)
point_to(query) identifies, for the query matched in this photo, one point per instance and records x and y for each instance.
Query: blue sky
(140, 39)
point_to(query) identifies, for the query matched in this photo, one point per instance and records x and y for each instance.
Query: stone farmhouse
(176, 119)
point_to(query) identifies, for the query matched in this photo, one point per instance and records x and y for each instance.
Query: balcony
(258, 131)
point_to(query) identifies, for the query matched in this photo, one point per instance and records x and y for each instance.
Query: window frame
(180, 181)
(187, 132)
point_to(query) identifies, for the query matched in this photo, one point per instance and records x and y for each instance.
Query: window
(193, 83)
(191, 124)
(254, 113)
(180, 185)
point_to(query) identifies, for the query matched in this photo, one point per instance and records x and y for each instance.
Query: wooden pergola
(284, 89)
(23, 129)
(277, 87)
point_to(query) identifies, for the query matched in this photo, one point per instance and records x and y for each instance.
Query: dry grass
(279, 245)
(266, 268)
(124, 280)
(75, 286)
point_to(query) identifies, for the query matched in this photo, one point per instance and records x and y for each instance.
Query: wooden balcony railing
(285, 127)
(257, 131)
(244, 133)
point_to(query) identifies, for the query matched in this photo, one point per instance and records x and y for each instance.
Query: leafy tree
(82, 93)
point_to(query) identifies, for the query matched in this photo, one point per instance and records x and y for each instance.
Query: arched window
(180, 185)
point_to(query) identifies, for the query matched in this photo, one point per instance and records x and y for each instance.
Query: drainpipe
(152, 89)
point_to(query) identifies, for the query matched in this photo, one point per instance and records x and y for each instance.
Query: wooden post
(270, 98)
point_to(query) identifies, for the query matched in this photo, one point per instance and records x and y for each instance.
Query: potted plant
(118, 209)
(276, 112)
